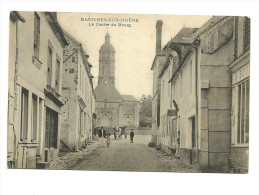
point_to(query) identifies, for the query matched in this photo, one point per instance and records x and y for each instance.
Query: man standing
(114, 132)
(131, 136)
(102, 135)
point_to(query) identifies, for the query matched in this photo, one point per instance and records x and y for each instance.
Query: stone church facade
(113, 109)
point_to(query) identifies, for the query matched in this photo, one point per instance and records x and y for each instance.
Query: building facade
(35, 79)
(78, 96)
(240, 69)
(157, 65)
(199, 109)
(113, 109)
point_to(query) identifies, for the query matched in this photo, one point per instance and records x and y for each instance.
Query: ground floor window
(29, 128)
(243, 113)
(51, 133)
(24, 114)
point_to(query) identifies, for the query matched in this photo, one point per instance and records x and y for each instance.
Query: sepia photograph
(129, 97)
(128, 92)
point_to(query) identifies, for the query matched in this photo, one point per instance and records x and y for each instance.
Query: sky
(134, 46)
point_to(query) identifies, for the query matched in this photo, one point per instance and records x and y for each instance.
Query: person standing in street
(131, 136)
(114, 132)
(177, 153)
(102, 136)
(108, 140)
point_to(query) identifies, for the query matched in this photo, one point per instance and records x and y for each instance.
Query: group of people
(118, 134)
(101, 132)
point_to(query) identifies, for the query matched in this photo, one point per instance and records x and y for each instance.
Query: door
(51, 131)
(193, 141)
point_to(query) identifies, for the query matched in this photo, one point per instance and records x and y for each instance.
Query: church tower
(106, 62)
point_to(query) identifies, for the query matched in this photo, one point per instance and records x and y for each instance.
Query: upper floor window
(57, 78)
(246, 36)
(36, 45)
(190, 77)
(169, 83)
(49, 71)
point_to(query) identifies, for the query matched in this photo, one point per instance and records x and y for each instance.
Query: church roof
(107, 92)
(129, 98)
(107, 47)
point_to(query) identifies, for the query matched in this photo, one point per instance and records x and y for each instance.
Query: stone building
(112, 108)
(199, 105)
(35, 77)
(240, 69)
(78, 96)
(157, 64)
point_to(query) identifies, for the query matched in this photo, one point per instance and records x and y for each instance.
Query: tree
(145, 113)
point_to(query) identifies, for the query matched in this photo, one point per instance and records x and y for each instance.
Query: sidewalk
(72, 158)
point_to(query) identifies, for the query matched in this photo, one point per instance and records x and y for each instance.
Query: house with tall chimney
(35, 87)
(192, 96)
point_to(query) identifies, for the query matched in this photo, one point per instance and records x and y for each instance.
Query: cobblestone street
(125, 156)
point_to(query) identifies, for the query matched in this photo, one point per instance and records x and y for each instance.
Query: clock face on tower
(106, 55)
(105, 82)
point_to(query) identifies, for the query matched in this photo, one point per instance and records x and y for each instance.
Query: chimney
(159, 24)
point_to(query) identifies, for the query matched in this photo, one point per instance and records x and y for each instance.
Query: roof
(16, 15)
(209, 24)
(56, 28)
(129, 98)
(107, 47)
(185, 35)
(71, 37)
(160, 53)
(107, 92)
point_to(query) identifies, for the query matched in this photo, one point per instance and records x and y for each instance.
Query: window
(85, 123)
(57, 78)
(24, 114)
(168, 83)
(243, 113)
(49, 72)
(81, 121)
(190, 77)
(163, 86)
(51, 133)
(34, 117)
(193, 132)
(181, 90)
(246, 36)
(236, 37)
(36, 45)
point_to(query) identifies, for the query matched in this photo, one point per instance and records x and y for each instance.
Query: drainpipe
(196, 45)
(15, 90)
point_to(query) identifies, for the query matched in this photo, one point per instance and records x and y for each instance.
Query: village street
(125, 156)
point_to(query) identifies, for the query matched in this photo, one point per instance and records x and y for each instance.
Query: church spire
(107, 38)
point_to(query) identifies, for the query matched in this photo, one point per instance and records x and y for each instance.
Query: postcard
(128, 92)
